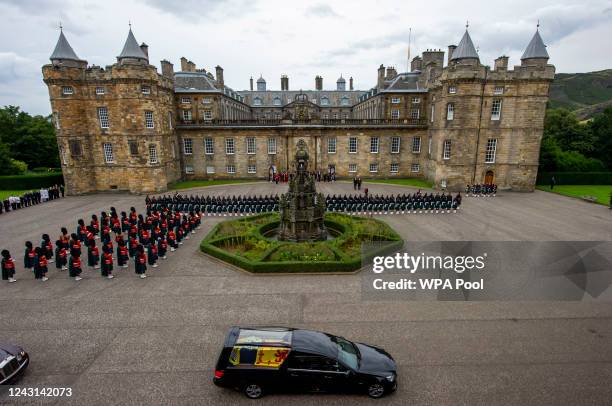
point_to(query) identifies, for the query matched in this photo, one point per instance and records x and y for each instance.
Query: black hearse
(13, 362)
(273, 359)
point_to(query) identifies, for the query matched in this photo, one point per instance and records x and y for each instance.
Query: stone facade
(127, 127)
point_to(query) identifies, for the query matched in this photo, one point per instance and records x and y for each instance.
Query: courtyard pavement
(156, 341)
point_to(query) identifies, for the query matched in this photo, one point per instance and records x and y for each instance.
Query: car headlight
(390, 378)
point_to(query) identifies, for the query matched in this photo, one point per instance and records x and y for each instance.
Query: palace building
(453, 121)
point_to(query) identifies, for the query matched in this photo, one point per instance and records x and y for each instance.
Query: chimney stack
(219, 76)
(145, 49)
(284, 82)
(381, 77)
(416, 64)
(351, 83)
(184, 64)
(501, 63)
(451, 49)
(167, 69)
(191, 66)
(251, 83)
(318, 83)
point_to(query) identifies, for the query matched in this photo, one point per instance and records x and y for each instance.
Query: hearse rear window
(270, 357)
(264, 337)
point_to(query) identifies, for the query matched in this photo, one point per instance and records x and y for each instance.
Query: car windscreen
(347, 353)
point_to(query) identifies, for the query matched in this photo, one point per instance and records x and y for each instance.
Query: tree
(601, 127)
(569, 134)
(8, 165)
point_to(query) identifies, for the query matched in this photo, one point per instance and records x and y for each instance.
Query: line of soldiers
(485, 189)
(144, 239)
(31, 198)
(404, 203)
(215, 204)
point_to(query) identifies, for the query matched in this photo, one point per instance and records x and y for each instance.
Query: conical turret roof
(465, 49)
(536, 48)
(131, 49)
(63, 50)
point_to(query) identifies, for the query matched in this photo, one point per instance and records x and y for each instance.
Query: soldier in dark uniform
(140, 261)
(122, 254)
(107, 263)
(152, 254)
(61, 256)
(40, 265)
(93, 255)
(8, 267)
(47, 246)
(75, 267)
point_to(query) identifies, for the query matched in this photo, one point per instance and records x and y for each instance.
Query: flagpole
(409, 39)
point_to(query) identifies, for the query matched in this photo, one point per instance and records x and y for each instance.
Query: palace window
(103, 117)
(446, 152)
(394, 168)
(416, 145)
(100, 91)
(210, 169)
(415, 114)
(352, 145)
(252, 168)
(146, 90)
(395, 145)
(187, 115)
(75, 148)
(209, 146)
(395, 114)
(335, 116)
(498, 90)
(324, 101)
(153, 154)
(230, 146)
(450, 112)
(187, 146)
(149, 119)
(67, 90)
(185, 100)
(344, 101)
(395, 100)
(496, 110)
(207, 114)
(271, 146)
(231, 169)
(490, 151)
(109, 158)
(276, 101)
(325, 116)
(352, 168)
(452, 89)
(206, 100)
(188, 169)
(251, 145)
(257, 101)
(373, 167)
(331, 145)
(416, 100)
(374, 143)
(415, 168)
(133, 147)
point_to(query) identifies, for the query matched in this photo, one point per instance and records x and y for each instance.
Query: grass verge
(601, 192)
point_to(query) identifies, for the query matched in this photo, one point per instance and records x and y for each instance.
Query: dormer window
(324, 101)
(344, 101)
(67, 90)
(277, 101)
(146, 90)
(257, 101)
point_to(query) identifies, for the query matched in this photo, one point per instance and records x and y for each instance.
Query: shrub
(30, 181)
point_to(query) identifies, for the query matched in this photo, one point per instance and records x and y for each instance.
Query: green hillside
(585, 93)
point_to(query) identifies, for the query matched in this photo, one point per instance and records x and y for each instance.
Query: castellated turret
(114, 125)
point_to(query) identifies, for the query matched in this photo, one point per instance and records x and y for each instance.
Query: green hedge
(30, 181)
(575, 178)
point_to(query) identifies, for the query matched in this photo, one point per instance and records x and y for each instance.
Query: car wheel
(253, 391)
(376, 391)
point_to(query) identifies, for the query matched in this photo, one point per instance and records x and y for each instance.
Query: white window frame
(394, 167)
(209, 146)
(207, 115)
(450, 111)
(271, 146)
(252, 169)
(353, 145)
(189, 169)
(396, 100)
(185, 100)
(187, 146)
(257, 101)
(352, 168)
(149, 123)
(415, 114)
(153, 159)
(210, 169)
(146, 90)
(103, 117)
(395, 145)
(415, 168)
(324, 101)
(373, 168)
(331, 145)
(395, 114)
(433, 112)
(496, 107)
(251, 145)
(187, 115)
(452, 90)
(100, 90)
(498, 90)
(67, 90)
(230, 169)
(374, 145)
(491, 151)
(277, 101)
(230, 146)
(416, 145)
(446, 150)
(345, 101)
(416, 100)
(206, 100)
(109, 156)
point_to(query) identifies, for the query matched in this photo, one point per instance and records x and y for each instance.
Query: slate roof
(63, 50)
(288, 96)
(405, 82)
(131, 49)
(193, 81)
(465, 49)
(536, 48)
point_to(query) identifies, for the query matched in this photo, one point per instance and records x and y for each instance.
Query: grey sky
(299, 38)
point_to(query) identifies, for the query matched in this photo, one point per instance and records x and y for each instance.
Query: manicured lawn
(201, 183)
(414, 182)
(602, 192)
(4, 194)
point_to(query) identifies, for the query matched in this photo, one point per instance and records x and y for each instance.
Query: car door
(316, 373)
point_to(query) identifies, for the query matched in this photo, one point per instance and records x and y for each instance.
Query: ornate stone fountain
(302, 208)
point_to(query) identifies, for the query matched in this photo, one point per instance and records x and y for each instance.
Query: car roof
(301, 340)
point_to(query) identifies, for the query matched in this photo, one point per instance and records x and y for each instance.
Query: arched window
(324, 101)
(344, 101)
(276, 101)
(257, 101)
